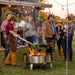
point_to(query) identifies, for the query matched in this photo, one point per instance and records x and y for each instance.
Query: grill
(32, 58)
(37, 59)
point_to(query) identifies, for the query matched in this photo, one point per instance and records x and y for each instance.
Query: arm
(56, 29)
(13, 33)
(71, 30)
(3, 27)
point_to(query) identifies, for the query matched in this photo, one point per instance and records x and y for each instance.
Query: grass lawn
(59, 66)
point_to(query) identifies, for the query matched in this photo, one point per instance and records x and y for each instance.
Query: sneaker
(7, 64)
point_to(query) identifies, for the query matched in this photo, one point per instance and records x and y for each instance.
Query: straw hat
(59, 21)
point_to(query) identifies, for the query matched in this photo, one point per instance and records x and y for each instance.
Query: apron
(12, 42)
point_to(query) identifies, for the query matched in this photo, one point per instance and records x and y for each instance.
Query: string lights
(32, 10)
(9, 4)
(63, 5)
(26, 12)
(33, 7)
(23, 7)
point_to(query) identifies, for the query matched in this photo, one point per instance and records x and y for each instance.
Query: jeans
(19, 41)
(40, 41)
(34, 39)
(30, 39)
(60, 43)
(68, 45)
(48, 40)
(6, 47)
(63, 43)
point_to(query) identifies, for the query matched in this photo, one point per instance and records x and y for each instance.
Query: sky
(57, 9)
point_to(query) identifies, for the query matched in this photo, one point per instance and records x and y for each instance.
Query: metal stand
(31, 67)
(51, 65)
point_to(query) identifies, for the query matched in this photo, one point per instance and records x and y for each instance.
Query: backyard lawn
(59, 66)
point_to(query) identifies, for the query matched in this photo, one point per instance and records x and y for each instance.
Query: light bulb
(23, 7)
(9, 5)
(33, 7)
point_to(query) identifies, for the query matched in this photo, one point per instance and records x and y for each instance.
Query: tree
(73, 18)
(42, 16)
(56, 19)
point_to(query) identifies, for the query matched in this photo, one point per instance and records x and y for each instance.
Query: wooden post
(2, 14)
(1, 19)
(0, 25)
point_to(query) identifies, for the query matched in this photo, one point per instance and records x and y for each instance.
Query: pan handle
(26, 41)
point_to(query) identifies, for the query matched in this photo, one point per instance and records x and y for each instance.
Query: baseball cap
(51, 15)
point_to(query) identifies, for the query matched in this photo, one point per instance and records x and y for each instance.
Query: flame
(33, 53)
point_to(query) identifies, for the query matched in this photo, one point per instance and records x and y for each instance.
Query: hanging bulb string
(63, 5)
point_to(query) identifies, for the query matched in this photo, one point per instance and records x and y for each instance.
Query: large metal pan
(35, 59)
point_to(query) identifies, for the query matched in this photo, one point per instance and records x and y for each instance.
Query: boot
(59, 53)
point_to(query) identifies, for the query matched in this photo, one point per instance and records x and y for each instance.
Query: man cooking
(12, 42)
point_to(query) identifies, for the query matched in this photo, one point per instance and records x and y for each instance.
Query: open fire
(35, 53)
(37, 58)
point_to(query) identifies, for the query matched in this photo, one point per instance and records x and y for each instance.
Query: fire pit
(38, 58)
(33, 58)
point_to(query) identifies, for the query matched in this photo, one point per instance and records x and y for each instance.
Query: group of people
(33, 33)
(63, 35)
(10, 36)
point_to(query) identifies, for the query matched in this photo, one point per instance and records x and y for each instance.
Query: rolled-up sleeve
(2, 27)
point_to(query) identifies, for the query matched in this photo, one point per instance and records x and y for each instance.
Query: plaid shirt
(69, 30)
(9, 27)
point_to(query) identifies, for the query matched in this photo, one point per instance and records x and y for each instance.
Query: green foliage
(43, 16)
(6, 11)
(56, 19)
(73, 18)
